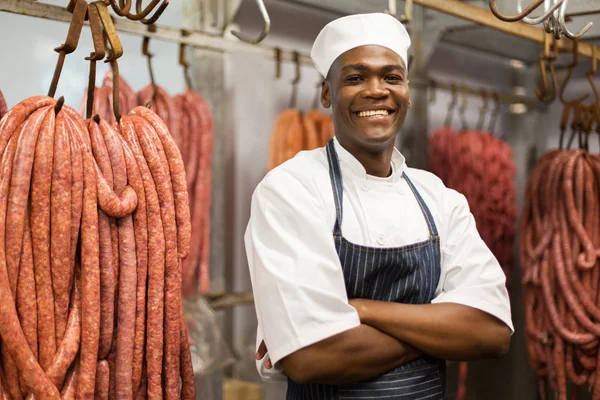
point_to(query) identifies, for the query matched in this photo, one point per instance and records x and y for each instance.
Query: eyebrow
(365, 67)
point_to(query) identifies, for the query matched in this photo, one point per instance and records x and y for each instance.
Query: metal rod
(504, 97)
(194, 39)
(483, 17)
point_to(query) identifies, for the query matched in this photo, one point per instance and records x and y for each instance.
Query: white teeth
(373, 113)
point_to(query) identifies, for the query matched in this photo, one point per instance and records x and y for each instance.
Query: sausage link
(156, 267)
(112, 389)
(4, 393)
(12, 375)
(176, 177)
(26, 301)
(69, 390)
(102, 380)
(141, 242)
(14, 340)
(113, 205)
(142, 393)
(40, 233)
(76, 195)
(172, 274)
(19, 192)
(127, 271)
(17, 115)
(90, 277)
(107, 273)
(60, 227)
(69, 346)
(3, 107)
(188, 386)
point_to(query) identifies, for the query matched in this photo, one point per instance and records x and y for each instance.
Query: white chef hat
(352, 31)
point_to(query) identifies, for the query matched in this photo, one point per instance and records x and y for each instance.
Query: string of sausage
(559, 250)
(56, 318)
(3, 107)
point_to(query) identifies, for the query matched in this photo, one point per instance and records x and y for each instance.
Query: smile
(374, 113)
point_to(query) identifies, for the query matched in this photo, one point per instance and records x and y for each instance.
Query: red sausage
(60, 227)
(40, 233)
(172, 274)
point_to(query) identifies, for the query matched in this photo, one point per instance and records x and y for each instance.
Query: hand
(262, 350)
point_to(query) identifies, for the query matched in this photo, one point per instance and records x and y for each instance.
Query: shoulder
(299, 175)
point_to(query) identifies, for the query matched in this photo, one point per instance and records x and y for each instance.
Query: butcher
(368, 275)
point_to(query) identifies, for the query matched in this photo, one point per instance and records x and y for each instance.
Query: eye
(394, 78)
(354, 78)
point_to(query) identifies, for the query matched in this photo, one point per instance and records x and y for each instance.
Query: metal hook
(296, 80)
(432, 87)
(315, 103)
(484, 108)
(543, 94)
(146, 52)
(496, 112)
(518, 17)
(593, 71)
(463, 108)
(98, 54)
(71, 42)
(184, 62)
(545, 16)
(568, 77)
(278, 54)
(451, 106)
(266, 27)
(563, 25)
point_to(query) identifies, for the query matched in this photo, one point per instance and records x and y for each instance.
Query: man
(368, 274)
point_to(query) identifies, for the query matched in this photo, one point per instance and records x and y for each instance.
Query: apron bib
(407, 274)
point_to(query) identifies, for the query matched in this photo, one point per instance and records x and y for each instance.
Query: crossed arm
(392, 334)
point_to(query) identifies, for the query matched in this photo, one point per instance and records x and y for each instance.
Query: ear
(325, 95)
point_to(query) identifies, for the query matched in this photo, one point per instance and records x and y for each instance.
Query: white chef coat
(297, 279)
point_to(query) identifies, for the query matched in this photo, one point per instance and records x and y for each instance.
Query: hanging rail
(503, 97)
(484, 17)
(188, 37)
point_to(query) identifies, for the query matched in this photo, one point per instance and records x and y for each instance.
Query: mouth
(379, 114)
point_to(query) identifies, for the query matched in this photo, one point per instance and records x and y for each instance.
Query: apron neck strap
(335, 176)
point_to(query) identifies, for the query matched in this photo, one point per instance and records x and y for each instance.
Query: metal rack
(190, 38)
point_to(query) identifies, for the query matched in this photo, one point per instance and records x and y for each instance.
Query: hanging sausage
(90, 279)
(3, 107)
(559, 250)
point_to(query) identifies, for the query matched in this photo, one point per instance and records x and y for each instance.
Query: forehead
(371, 55)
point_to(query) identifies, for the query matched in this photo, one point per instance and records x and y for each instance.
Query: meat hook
(296, 80)
(266, 27)
(530, 8)
(563, 25)
(184, 62)
(548, 11)
(146, 52)
(451, 106)
(484, 108)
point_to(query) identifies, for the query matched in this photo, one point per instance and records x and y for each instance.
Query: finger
(262, 350)
(268, 364)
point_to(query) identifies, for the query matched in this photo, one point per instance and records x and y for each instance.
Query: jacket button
(381, 240)
(365, 187)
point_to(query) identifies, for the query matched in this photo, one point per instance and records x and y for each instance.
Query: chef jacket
(296, 274)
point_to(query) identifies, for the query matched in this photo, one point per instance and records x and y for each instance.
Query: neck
(376, 162)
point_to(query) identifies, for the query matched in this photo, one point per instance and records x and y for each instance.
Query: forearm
(359, 354)
(446, 330)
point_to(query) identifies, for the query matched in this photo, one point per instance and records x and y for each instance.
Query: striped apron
(407, 274)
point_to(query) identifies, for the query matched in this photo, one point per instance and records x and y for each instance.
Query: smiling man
(367, 274)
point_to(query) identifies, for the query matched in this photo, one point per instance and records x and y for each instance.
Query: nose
(375, 89)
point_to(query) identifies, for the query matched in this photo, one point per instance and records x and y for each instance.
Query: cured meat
(3, 107)
(64, 183)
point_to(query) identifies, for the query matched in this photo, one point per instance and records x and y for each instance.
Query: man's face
(367, 88)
